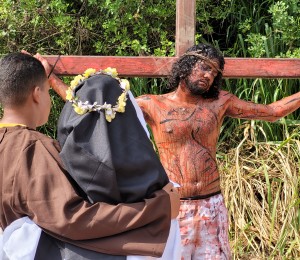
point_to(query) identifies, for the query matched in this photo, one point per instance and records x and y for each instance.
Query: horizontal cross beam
(161, 66)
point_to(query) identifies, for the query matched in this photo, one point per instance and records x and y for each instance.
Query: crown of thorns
(211, 62)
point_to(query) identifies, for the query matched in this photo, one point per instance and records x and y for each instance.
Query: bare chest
(186, 123)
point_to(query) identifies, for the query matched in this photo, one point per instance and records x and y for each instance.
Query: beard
(195, 87)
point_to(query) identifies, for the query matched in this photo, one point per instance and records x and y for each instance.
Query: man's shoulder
(28, 136)
(46, 141)
(225, 95)
(35, 135)
(152, 97)
(146, 97)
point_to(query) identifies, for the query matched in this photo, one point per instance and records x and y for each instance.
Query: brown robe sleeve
(43, 192)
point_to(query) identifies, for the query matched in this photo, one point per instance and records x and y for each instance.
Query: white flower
(81, 107)
(125, 84)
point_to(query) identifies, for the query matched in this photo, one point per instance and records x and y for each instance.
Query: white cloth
(173, 247)
(139, 113)
(19, 240)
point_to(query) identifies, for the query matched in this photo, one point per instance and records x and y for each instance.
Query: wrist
(53, 81)
(58, 86)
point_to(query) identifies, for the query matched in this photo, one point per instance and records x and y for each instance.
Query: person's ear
(36, 94)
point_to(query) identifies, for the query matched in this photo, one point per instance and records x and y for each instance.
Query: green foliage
(212, 20)
(239, 28)
(271, 29)
(119, 27)
(122, 27)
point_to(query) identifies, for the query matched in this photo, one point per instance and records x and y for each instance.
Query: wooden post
(185, 25)
(161, 66)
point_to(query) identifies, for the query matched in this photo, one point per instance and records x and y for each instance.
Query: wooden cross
(152, 66)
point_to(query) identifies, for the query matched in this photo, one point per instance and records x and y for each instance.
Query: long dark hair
(183, 67)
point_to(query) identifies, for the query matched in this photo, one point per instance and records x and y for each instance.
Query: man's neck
(11, 117)
(183, 95)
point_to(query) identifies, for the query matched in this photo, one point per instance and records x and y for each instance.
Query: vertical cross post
(185, 25)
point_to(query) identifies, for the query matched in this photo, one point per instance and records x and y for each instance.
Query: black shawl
(114, 161)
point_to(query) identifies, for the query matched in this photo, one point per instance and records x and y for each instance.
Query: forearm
(286, 105)
(142, 239)
(83, 221)
(238, 108)
(58, 86)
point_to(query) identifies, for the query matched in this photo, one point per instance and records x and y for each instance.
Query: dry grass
(261, 186)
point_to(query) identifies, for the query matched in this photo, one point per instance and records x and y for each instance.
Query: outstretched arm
(238, 108)
(58, 86)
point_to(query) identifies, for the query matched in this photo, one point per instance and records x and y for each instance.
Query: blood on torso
(186, 137)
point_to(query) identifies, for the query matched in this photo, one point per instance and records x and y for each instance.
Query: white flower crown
(82, 107)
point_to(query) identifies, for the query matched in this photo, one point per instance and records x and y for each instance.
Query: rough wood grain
(160, 66)
(185, 25)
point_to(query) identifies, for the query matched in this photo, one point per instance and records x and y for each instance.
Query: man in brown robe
(34, 183)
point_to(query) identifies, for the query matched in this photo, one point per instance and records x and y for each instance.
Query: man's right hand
(44, 62)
